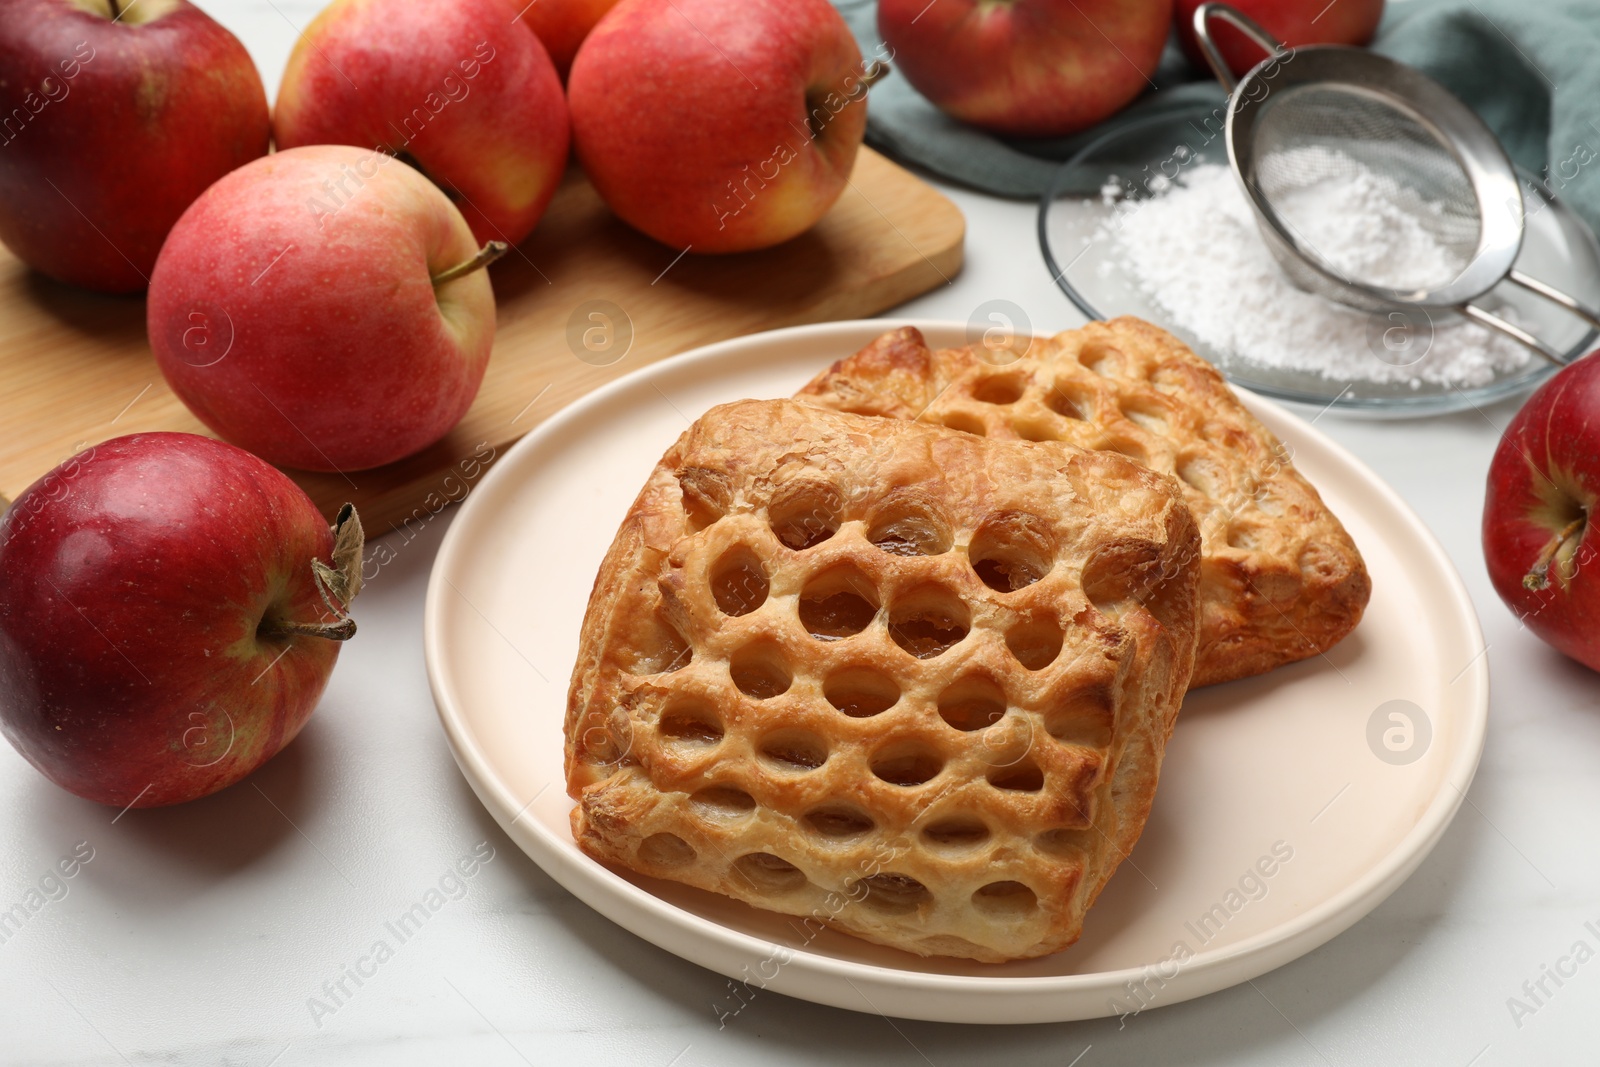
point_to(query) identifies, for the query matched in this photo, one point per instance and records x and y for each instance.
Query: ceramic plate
(1291, 804)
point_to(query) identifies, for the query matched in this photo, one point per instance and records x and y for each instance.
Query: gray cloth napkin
(1531, 70)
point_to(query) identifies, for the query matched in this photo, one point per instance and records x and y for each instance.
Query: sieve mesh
(1366, 147)
(1327, 132)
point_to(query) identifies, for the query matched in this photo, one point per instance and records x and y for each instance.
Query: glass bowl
(1142, 157)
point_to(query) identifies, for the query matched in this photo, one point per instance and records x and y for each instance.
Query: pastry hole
(840, 602)
(959, 831)
(910, 534)
(665, 649)
(1130, 449)
(1064, 844)
(895, 894)
(1005, 900)
(759, 671)
(1036, 642)
(690, 724)
(1035, 430)
(794, 750)
(1118, 576)
(706, 496)
(966, 423)
(806, 515)
(1321, 565)
(1083, 718)
(1006, 575)
(1011, 550)
(1022, 777)
(1103, 359)
(1000, 389)
(906, 764)
(861, 692)
(769, 873)
(1200, 474)
(928, 621)
(722, 802)
(1065, 400)
(1171, 381)
(973, 703)
(739, 582)
(1271, 503)
(839, 820)
(1243, 538)
(1147, 416)
(666, 850)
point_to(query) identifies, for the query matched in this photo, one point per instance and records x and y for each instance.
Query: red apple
(161, 629)
(462, 90)
(114, 116)
(719, 125)
(1293, 22)
(1541, 518)
(563, 24)
(307, 307)
(1027, 68)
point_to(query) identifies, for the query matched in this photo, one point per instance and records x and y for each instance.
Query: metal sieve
(1307, 116)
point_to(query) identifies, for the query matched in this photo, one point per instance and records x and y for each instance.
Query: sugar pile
(1196, 252)
(1365, 225)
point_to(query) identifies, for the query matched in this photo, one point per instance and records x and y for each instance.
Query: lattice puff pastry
(1280, 579)
(910, 683)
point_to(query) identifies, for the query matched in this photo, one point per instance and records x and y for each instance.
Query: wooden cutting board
(75, 368)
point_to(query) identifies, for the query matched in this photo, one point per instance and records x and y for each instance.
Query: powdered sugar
(1365, 225)
(1196, 252)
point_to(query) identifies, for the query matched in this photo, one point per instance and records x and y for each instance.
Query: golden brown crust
(1281, 580)
(909, 683)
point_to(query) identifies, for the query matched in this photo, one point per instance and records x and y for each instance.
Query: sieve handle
(1239, 21)
(1516, 333)
(1551, 293)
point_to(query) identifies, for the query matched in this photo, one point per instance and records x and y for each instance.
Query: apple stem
(873, 74)
(116, 12)
(1538, 577)
(337, 585)
(343, 630)
(486, 255)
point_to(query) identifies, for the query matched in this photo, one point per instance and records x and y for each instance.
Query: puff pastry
(1280, 578)
(909, 683)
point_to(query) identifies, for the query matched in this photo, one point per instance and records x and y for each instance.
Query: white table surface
(200, 934)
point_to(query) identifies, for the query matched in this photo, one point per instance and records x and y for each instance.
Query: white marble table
(228, 931)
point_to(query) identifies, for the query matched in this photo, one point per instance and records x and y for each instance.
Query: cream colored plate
(1298, 773)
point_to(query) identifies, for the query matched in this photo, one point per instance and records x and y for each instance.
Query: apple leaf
(340, 583)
